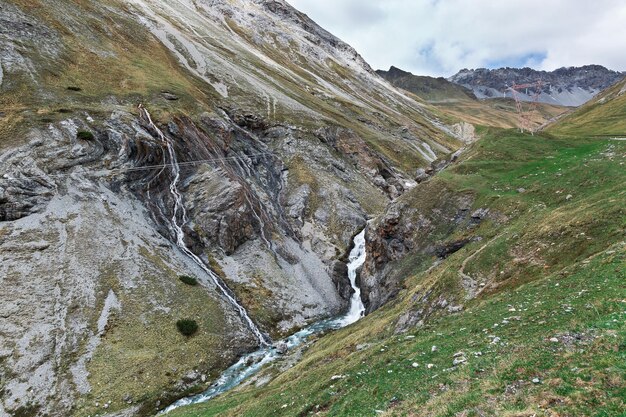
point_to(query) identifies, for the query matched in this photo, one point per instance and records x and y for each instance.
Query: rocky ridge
(571, 86)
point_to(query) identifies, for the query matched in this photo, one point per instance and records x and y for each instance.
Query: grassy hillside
(603, 116)
(497, 112)
(545, 336)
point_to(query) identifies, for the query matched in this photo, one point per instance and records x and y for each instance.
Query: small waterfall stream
(179, 208)
(251, 363)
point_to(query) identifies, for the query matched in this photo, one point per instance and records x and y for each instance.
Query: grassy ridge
(553, 263)
(603, 116)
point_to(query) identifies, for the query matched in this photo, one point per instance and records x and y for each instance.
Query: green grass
(84, 135)
(584, 301)
(186, 279)
(142, 354)
(554, 262)
(602, 116)
(187, 327)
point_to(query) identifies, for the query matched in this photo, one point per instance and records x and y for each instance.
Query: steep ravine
(374, 293)
(230, 192)
(391, 238)
(283, 156)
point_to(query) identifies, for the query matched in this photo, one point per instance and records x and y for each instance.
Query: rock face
(286, 142)
(411, 231)
(79, 264)
(572, 86)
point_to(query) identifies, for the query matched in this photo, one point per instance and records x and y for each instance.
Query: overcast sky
(439, 37)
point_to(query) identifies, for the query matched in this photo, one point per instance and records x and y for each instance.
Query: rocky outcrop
(412, 232)
(83, 254)
(375, 166)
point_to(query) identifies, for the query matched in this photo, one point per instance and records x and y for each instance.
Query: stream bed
(251, 363)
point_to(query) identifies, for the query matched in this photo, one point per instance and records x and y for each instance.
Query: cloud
(439, 37)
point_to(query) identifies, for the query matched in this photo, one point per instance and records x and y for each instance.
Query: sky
(440, 37)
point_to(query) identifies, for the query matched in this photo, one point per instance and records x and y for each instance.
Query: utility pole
(525, 121)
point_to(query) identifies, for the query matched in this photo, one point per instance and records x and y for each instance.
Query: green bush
(187, 327)
(186, 279)
(84, 135)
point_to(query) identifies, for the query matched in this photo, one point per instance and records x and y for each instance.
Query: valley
(217, 207)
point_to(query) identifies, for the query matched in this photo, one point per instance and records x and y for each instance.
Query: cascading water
(251, 363)
(180, 235)
(355, 261)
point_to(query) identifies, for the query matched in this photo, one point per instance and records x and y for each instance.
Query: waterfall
(176, 227)
(251, 363)
(355, 261)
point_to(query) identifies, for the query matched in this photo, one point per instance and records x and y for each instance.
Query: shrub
(186, 279)
(72, 88)
(84, 135)
(187, 327)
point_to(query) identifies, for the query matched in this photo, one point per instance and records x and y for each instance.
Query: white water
(180, 235)
(251, 363)
(355, 261)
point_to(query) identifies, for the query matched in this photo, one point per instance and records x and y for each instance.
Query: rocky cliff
(280, 142)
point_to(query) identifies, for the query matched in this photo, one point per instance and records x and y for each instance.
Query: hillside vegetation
(498, 112)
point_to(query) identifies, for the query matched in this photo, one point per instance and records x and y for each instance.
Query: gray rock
(458, 361)
(421, 175)
(480, 213)
(282, 348)
(191, 376)
(169, 96)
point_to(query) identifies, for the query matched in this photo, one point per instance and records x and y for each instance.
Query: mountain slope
(428, 88)
(505, 274)
(572, 86)
(602, 116)
(263, 139)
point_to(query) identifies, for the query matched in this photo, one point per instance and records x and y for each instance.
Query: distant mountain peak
(396, 72)
(568, 86)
